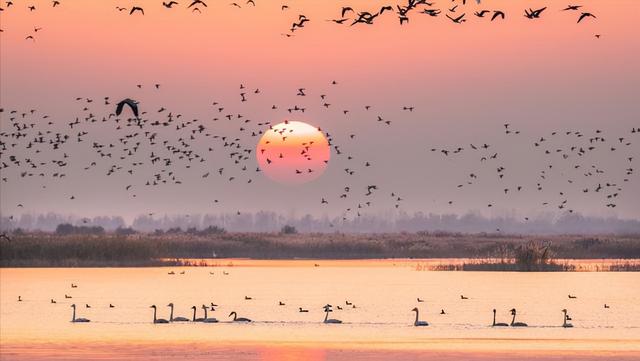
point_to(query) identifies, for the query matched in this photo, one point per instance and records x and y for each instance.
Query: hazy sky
(464, 81)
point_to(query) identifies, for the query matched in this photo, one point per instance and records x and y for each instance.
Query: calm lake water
(384, 292)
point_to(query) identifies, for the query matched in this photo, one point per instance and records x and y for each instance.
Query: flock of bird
(456, 12)
(328, 308)
(571, 158)
(146, 152)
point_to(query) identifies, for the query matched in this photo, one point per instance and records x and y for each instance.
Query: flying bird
(585, 15)
(497, 13)
(533, 14)
(197, 2)
(131, 103)
(459, 20)
(572, 7)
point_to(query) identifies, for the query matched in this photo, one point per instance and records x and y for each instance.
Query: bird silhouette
(136, 8)
(131, 103)
(585, 15)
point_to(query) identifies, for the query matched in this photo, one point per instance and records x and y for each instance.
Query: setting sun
(293, 152)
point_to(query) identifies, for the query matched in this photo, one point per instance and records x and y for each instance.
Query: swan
(338, 307)
(463, 297)
(247, 298)
(566, 324)
(347, 303)
(418, 323)
(111, 306)
(74, 319)
(157, 320)
(303, 310)
(238, 319)
(207, 319)
(516, 324)
(606, 306)
(19, 298)
(419, 300)
(175, 319)
(499, 324)
(194, 315)
(571, 297)
(280, 303)
(326, 317)
(53, 301)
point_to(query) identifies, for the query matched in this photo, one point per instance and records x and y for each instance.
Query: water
(384, 293)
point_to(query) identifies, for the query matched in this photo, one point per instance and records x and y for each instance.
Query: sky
(440, 85)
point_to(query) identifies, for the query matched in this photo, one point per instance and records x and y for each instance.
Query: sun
(293, 152)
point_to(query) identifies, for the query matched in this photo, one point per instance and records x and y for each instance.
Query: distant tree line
(570, 223)
(66, 229)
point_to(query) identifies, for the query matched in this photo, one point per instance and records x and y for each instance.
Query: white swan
(74, 319)
(194, 315)
(499, 324)
(157, 320)
(176, 319)
(238, 319)
(566, 324)
(516, 324)
(207, 319)
(328, 309)
(418, 323)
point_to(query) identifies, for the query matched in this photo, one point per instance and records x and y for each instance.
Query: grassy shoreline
(490, 251)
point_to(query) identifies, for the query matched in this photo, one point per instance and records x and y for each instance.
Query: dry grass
(531, 252)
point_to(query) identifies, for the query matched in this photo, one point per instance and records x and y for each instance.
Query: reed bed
(490, 252)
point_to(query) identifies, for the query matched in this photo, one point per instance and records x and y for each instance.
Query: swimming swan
(74, 319)
(417, 322)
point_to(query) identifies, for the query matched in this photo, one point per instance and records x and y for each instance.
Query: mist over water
(268, 221)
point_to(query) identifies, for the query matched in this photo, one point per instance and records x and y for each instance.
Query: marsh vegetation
(126, 247)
